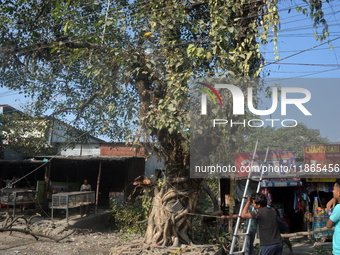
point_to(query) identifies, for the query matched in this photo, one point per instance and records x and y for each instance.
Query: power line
(302, 64)
(286, 51)
(174, 9)
(301, 51)
(314, 73)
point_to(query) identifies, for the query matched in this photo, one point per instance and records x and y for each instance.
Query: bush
(125, 217)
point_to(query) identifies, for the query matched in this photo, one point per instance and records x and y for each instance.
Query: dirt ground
(93, 236)
(77, 243)
(99, 243)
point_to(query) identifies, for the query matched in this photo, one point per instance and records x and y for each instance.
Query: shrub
(127, 217)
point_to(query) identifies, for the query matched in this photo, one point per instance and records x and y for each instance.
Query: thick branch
(307, 233)
(45, 45)
(79, 44)
(19, 230)
(211, 195)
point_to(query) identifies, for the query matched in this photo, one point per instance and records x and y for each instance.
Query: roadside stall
(299, 192)
(322, 163)
(320, 191)
(68, 200)
(288, 197)
(280, 183)
(21, 197)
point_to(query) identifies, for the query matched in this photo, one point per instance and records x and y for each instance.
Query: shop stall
(320, 191)
(14, 197)
(288, 197)
(321, 168)
(291, 187)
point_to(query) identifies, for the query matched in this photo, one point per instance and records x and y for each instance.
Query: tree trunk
(164, 220)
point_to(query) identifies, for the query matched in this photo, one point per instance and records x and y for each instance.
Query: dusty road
(78, 243)
(92, 236)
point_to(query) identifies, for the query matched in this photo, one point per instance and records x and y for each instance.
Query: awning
(267, 183)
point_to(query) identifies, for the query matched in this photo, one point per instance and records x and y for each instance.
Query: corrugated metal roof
(30, 161)
(84, 158)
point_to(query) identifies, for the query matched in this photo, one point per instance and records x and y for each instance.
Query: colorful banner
(279, 164)
(323, 156)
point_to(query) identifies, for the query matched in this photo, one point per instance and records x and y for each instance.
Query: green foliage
(25, 135)
(257, 248)
(323, 251)
(127, 217)
(207, 232)
(79, 60)
(204, 201)
(283, 139)
(213, 184)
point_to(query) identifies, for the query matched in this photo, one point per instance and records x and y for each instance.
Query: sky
(301, 56)
(323, 105)
(315, 69)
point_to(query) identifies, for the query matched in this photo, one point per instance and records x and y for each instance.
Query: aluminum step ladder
(250, 178)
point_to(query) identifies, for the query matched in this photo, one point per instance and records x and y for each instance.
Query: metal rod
(67, 209)
(14, 202)
(52, 208)
(98, 182)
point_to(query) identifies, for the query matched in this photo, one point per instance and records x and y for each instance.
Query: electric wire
(206, 11)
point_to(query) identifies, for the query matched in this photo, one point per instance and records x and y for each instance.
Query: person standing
(266, 217)
(334, 219)
(85, 186)
(250, 249)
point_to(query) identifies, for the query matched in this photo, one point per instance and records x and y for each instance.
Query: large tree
(91, 61)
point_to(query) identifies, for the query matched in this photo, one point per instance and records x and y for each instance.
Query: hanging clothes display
(298, 198)
(266, 191)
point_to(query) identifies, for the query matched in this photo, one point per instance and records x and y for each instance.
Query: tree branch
(210, 194)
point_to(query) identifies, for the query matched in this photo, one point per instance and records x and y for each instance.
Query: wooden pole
(232, 184)
(98, 181)
(35, 179)
(307, 233)
(47, 182)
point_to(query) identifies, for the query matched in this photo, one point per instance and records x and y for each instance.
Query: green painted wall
(71, 186)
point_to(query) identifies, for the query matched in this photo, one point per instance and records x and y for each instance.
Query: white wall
(92, 149)
(151, 165)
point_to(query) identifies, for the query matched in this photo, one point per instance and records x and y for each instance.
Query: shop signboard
(269, 183)
(280, 164)
(322, 159)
